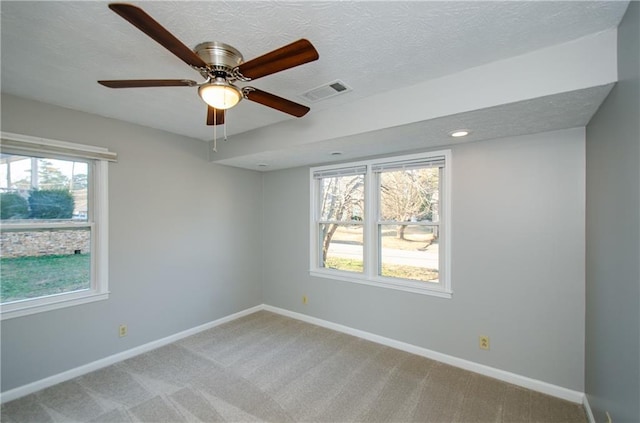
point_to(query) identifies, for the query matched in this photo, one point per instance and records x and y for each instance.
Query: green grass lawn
(31, 277)
(389, 270)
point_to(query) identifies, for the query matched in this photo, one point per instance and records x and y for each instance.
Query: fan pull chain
(215, 137)
(224, 125)
(215, 129)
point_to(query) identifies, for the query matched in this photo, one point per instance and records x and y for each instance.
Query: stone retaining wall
(44, 243)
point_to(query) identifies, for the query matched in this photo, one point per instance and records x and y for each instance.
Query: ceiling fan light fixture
(220, 64)
(220, 94)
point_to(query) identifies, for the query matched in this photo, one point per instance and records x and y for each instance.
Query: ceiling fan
(221, 65)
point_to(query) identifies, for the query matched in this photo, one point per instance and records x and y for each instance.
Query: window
(53, 224)
(341, 215)
(384, 222)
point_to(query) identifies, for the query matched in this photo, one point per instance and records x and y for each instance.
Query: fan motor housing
(219, 56)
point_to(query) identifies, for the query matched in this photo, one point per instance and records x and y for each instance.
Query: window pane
(42, 188)
(342, 198)
(342, 247)
(47, 262)
(410, 195)
(409, 252)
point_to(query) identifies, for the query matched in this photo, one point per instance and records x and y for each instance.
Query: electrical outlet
(122, 330)
(483, 342)
(305, 300)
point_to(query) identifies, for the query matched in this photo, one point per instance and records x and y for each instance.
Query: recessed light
(336, 153)
(459, 133)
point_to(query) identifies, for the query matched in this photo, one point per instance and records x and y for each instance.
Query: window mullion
(445, 224)
(422, 270)
(40, 226)
(314, 234)
(371, 248)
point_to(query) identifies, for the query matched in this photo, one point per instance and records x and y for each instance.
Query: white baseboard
(515, 379)
(587, 410)
(525, 382)
(112, 359)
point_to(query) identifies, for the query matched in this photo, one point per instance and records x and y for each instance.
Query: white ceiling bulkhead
(416, 70)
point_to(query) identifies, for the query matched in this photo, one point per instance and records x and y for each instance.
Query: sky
(20, 168)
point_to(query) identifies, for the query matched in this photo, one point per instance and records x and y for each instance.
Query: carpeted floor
(267, 367)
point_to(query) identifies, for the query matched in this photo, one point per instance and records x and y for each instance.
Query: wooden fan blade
(275, 102)
(289, 56)
(145, 83)
(215, 116)
(145, 23)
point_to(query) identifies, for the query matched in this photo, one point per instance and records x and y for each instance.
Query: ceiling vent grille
(322, 92)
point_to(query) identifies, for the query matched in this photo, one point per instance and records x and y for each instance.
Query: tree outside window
(384, 222)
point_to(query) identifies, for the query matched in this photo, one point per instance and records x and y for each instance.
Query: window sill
(54, 302)
(381, 283)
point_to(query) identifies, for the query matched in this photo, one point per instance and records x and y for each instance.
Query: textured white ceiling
(543, 114)
(55, 51)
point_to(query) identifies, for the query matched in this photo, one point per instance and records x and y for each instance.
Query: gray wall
(184, 245)
(613, 239)
(518, 243)
(518, 261)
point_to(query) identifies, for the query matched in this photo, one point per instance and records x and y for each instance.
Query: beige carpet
(267, 367)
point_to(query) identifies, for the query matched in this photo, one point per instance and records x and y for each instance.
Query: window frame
(98, 159)
(339, 171)
(371, 245)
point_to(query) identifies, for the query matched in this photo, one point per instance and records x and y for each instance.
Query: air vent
(325, 91)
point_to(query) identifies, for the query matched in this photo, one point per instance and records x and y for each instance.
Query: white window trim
(369, 276)
(100, 229)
